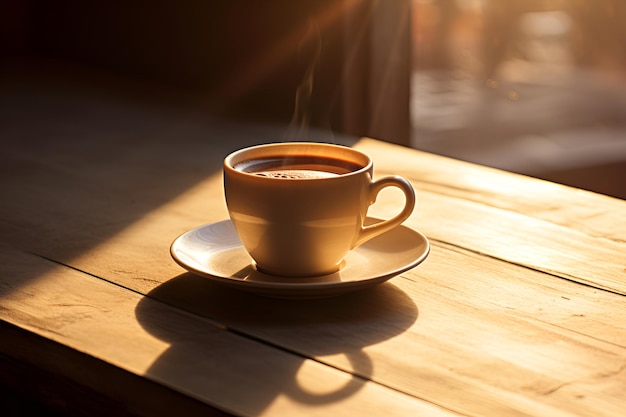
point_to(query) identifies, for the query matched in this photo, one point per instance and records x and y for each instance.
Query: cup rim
(273, 149)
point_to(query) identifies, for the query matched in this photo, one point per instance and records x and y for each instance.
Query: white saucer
(215, 252)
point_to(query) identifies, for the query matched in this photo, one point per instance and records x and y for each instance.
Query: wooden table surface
(519, 309)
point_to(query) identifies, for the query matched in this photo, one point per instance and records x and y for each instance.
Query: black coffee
(297, 167)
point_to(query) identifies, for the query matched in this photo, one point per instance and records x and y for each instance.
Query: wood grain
(483, 334)
(176, 349)
(574, 234)
(518, 310)
(582, 210)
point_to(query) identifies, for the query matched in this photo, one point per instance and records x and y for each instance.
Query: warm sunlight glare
(98, 261)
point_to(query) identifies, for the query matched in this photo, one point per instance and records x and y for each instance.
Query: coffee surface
(297, 167)
(296, 174)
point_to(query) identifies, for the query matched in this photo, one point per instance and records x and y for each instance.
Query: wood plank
(535, 243)
(133, 259)
(479, 336)
(438, 352)
(585, 253)
(179, 350)
(515, 218)
(136, 257)
(125, 190)
(40, 377)
(437, 365)
(525, 332)
(585, 211)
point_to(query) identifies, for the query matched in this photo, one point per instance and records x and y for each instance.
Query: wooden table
(519, 310)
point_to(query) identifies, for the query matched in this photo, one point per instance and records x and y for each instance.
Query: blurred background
(536, 87)
(531, 86)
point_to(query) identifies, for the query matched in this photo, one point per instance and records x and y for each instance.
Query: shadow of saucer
(302, 329)
(370, 316)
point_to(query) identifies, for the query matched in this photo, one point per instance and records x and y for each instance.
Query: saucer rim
(301, 286)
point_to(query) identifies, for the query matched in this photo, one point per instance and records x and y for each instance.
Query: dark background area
(241, 58)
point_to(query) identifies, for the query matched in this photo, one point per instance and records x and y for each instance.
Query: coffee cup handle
(368, 232)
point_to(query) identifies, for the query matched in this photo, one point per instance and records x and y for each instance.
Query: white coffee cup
(300, 207)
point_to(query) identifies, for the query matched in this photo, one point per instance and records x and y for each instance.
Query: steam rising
(298, 129)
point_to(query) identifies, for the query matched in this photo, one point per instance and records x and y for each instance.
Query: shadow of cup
(307, 329)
